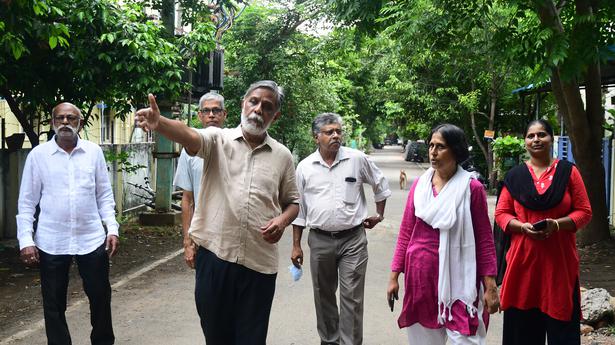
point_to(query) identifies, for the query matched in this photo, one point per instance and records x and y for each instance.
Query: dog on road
(402, 179)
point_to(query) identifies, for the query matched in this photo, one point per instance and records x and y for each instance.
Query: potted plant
(507, 150)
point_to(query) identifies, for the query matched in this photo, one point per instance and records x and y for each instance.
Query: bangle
(556, 224)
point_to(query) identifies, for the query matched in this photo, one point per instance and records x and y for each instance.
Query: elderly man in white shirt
(67, 177)
(332, 204)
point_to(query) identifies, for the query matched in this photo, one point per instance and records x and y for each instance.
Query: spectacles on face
(215, 111)
(61, 118)
(331, 131)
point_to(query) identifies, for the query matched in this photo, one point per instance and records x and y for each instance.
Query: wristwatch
(380, 217)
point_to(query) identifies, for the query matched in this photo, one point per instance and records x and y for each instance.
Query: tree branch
(560, 5)
(21, 117)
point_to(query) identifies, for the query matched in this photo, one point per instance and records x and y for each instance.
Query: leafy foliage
(508, 146)
(122, 160)
(84, 52)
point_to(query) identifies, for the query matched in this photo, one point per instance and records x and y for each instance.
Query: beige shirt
(332, 198)
(245, 189)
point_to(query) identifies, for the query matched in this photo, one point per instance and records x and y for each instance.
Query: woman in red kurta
(540, 291)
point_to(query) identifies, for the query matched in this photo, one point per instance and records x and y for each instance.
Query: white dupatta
(449, 212)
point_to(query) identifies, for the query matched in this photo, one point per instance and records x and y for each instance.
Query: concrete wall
(126, 195)
(10, 174)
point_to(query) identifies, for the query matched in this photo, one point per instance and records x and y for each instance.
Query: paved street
(157, 306)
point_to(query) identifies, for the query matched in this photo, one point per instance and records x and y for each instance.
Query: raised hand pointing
(149, 118)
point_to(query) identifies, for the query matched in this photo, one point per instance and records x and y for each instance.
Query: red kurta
(543, 274)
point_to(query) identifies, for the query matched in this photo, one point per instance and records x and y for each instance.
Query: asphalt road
(154, 305)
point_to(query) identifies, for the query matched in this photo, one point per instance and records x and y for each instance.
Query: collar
(56, 148)
(342, 154)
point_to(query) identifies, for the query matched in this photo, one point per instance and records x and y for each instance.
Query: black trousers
(94, 271)
(233, 301)
(529, 327)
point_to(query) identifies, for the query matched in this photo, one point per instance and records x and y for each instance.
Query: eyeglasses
(62, 118)
(331, 131)
(215, 111)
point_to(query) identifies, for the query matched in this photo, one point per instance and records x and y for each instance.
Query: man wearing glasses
(190, 169)
(332, 204)
(248, 197)
(67, 177)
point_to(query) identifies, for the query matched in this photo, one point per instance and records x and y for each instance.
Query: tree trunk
(490, 160)
(584, 126)
(21, 117)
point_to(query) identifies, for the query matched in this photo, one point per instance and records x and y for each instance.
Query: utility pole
(165, 149)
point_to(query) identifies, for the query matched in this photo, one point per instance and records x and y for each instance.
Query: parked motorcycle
(468, 165)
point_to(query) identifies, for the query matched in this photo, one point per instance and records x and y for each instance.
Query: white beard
(74, 130)
(249, 124)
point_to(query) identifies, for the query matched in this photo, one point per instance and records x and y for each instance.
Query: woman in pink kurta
(417, 256)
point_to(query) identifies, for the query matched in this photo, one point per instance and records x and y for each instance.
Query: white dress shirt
(74, 194)
(332, 198)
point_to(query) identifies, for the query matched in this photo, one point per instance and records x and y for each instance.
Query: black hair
(544, 123)
(455, 139)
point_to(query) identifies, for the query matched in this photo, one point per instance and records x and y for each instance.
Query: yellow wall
(121, 133)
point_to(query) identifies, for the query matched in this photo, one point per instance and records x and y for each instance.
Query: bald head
(62, 107)
(67, 121)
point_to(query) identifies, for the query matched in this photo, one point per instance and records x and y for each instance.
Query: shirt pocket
(351, 190)
(87, 177)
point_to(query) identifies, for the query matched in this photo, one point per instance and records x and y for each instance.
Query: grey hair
(271, 85)
(325, 119)
(212, 96)
(53, 111)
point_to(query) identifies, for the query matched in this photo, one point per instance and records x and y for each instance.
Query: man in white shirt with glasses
(332, 204)
(190, 169)
(67, 177)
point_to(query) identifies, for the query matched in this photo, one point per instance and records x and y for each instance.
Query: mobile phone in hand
(540, 226)
(391, 302)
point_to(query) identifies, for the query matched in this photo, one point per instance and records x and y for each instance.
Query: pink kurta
(416, 255)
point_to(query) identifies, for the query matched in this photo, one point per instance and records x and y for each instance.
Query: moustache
(71, 128)
(256, 118)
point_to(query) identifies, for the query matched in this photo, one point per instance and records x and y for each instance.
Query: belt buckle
(336, 234)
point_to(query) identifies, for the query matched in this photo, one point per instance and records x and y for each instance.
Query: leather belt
(337, 234)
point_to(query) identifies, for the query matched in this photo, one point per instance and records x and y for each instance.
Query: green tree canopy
(84, 52)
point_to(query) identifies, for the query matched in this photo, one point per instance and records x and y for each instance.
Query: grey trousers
(344, 260)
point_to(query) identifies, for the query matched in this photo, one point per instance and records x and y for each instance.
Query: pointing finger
(152, 102)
